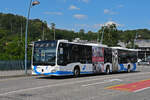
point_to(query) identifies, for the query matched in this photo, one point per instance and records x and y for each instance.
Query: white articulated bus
(60, 57)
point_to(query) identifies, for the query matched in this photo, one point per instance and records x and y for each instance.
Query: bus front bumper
(53, 72)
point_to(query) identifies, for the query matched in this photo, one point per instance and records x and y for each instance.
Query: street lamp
(101, 42)
(26, 31)
(53, 28)
(136, 36)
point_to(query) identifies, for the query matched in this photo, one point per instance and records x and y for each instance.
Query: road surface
(118, 86)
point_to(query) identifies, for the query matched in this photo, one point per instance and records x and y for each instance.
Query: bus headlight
(53, 71)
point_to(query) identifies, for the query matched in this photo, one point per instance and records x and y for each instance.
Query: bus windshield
(44, 53)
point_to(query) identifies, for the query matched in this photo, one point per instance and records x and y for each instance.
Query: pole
(43, 34)
(21, 31)
(101, 42)
(98, 37)
(53, 28)
(135, 41)
(26, 36)
(54, 33)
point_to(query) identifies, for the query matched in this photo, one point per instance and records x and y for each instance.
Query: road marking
(105, 81)
(132, 87)
(115, 76)
(113, 86)
(141, 89)
(73, 82)
(53, 85)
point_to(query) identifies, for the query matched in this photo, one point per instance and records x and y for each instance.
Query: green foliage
(111, 35)
(91, 36)
(12, 35)
(11, 40)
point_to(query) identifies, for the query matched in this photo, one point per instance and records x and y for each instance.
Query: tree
(13, 49)
(91, 36)
(81, 34)
(110, 35)
(128, 38)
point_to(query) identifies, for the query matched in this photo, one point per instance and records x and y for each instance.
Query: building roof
(143, 43)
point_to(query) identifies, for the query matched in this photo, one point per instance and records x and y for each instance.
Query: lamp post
(101, 42)
(53, 28)
(26, 30)
(136, 36)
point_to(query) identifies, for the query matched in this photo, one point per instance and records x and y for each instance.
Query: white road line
(141, 90)
(105, 81)
(54, 85)
(73, 82)
(114, 75)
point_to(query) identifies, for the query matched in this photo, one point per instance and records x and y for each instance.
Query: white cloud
(88, 26)
(80, 16)
(72, 7)
(112, 22)
(108, 11)
(53, 13)
(120, 6)
(85, 1)
(82, 26)
(9, 9)
(97, 26)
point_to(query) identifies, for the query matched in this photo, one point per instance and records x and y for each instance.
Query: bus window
(62, 54)
(107, 55)
(127, 56)
(44, 53)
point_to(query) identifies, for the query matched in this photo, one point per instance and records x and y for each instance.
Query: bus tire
(76, 71)
(128, 69)
(107, 70)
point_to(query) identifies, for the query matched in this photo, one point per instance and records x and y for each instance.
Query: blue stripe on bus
(58, 72)
(34, 68)
(55, 73)
(86, 72)
(122, 67)
(134, 67)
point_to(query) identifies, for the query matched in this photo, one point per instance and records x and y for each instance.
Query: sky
(84, 14)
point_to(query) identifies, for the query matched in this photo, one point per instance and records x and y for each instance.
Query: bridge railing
(13, 67)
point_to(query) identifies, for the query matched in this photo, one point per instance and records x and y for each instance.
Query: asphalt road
(87, 87)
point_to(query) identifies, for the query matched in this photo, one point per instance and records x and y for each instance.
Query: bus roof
(79, 43)
(96, 44)
(83, 43)
(121, 48)
(44, 41)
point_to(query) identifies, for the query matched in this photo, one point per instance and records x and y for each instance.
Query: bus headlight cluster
(53, 71)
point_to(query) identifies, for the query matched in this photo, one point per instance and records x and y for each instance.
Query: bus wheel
(76, 72)
(128, 70)
(107, 70)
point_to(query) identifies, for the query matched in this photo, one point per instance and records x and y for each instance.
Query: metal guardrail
(14, 65)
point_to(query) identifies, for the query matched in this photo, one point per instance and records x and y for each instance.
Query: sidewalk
(13, 73)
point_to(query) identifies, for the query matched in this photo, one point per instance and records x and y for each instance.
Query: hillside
(12, 35)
